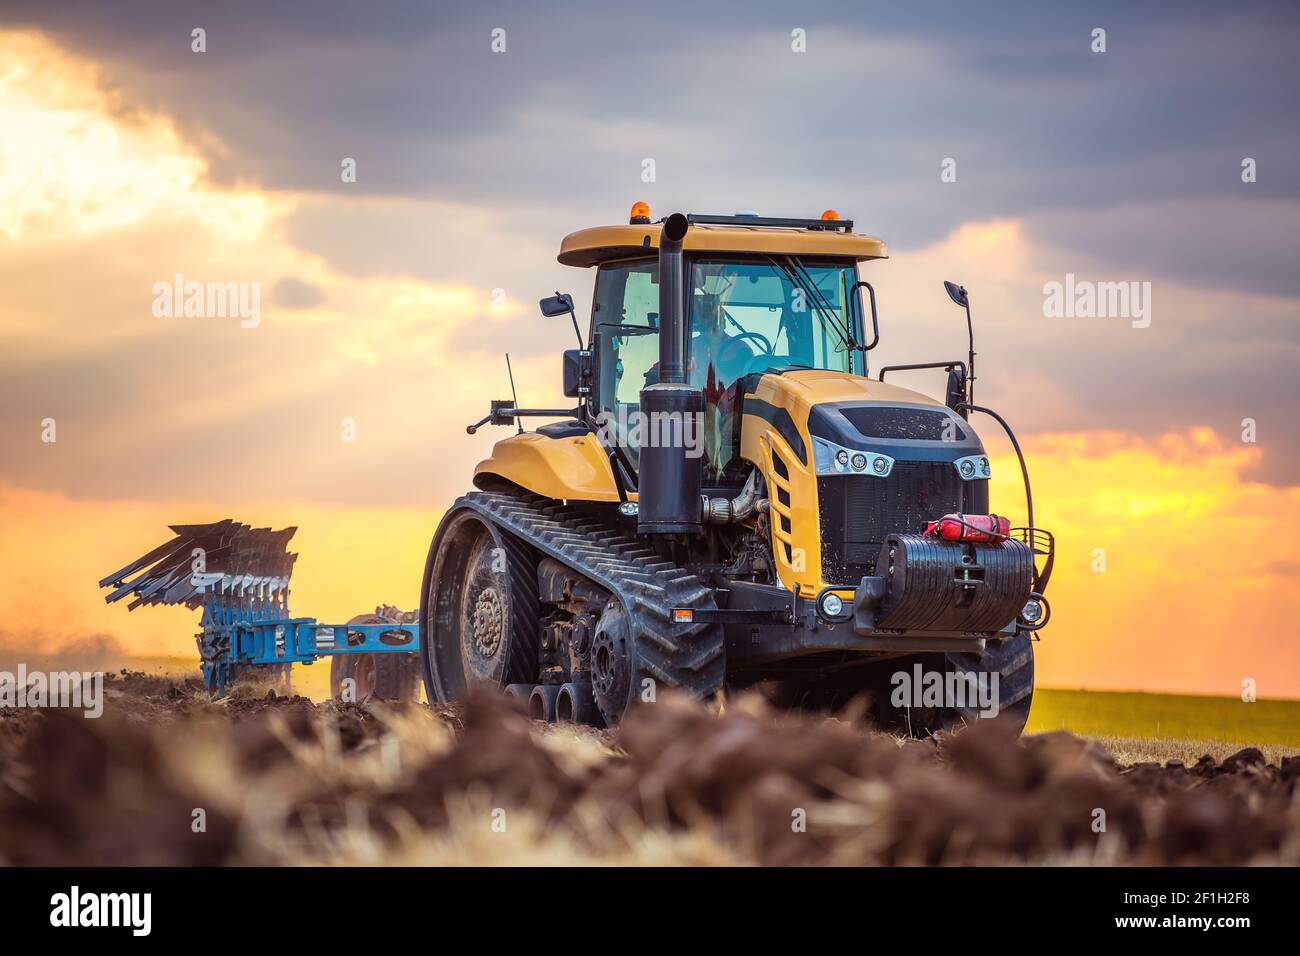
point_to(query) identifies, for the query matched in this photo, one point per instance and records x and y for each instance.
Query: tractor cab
(759, 295)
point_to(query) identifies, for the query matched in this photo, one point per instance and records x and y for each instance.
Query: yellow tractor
(735, 501)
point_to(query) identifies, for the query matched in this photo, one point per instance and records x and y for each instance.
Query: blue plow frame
(231, 640)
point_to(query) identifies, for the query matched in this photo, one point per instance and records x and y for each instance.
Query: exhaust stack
(672, 333)
(671, 459)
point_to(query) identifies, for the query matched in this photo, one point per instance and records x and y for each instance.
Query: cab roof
(798, 237)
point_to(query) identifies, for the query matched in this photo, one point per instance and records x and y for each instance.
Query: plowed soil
(169, 777)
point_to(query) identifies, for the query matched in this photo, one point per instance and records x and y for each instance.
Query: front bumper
(930, 596)
(790, 627)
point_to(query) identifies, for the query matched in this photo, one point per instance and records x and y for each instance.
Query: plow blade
(221, 557)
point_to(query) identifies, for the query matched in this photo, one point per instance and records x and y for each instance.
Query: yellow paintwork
(797, 393)
(566, 468)
(587, 247)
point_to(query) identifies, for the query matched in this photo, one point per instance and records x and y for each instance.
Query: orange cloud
(1172, 572)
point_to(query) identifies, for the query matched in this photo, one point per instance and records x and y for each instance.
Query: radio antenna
(513, 394)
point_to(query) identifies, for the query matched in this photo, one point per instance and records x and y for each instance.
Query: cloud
(1125, 157)
(1172, 568)
(293, 293)
(403, 292)
(188, 406)
(1211, 357)
(1246, 243)
(488, 246)
(371, 300)
(75, 166)
(1035, 118)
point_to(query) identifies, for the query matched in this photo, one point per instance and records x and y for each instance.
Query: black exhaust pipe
(672, 332)
(672, 444)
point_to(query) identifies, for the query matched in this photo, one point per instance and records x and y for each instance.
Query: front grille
(857, 512)
(903, 424)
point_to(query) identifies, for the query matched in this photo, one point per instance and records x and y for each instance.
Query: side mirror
(958, 294)
(875, 322)
(559, 304)
(577, 372)
(956, 391)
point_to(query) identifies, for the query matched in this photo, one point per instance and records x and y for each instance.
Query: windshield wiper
(803, 280)
(626, 328)
(845, 328)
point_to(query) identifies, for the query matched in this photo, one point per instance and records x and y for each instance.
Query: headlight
(831, 607)
(830, 458)
(1036, 613)
(973, 466)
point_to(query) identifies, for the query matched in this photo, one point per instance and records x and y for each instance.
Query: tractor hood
(816, 407)
(851, 460)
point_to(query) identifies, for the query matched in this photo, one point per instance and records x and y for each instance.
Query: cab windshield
(748, 316)
(742, 316)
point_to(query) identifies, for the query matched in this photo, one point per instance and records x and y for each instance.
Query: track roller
(541, 703)
(520, 691)
(576, 704)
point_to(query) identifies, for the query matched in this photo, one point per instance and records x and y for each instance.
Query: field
(1216, 722)
(170, 777)
(1136, 726)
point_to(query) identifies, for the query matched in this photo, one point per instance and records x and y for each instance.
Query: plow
(239, 576)
(734, 500)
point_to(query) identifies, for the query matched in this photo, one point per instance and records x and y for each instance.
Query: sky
(991, 145)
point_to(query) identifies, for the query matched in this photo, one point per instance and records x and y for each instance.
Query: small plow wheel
(390, 676)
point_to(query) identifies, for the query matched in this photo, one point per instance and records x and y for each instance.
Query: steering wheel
(765, 343)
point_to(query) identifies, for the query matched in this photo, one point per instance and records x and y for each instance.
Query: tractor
(736, 500)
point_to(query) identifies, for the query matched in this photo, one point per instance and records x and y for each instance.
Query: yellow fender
(570, 469)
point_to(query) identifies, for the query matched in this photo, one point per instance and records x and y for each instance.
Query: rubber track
(1014, 662)
(525, 620)
(688, 657)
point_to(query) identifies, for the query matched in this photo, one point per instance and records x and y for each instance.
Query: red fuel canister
(970, 528)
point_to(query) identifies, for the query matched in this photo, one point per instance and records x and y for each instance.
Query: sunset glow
(164, 420)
